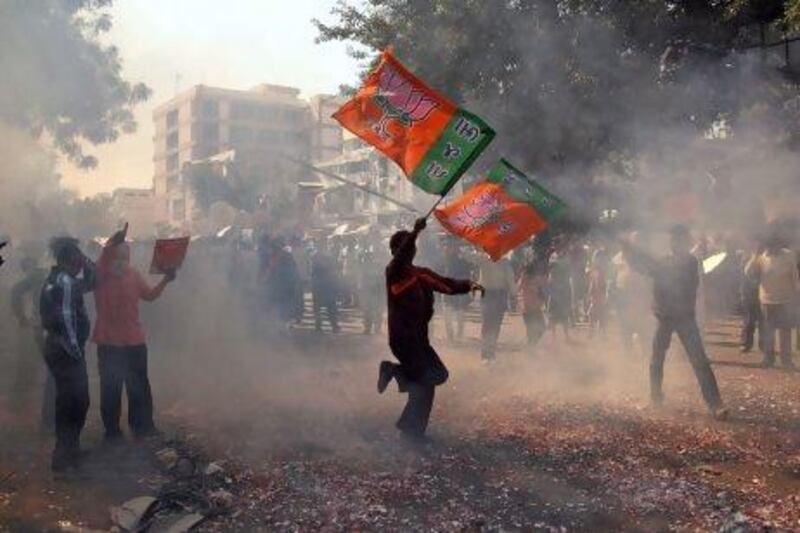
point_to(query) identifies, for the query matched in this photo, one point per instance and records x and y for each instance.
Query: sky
(172, 45)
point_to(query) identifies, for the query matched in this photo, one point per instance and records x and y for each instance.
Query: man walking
(64, 319)
(776, 272)
(675, 281)
(410, 297)
(120, 339)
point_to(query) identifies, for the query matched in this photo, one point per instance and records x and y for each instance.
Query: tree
(59, 79)
(570, 82)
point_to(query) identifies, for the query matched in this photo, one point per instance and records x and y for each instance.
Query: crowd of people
(576, 283)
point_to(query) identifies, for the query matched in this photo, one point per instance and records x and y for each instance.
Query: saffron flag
(432, 140)
(501, 212)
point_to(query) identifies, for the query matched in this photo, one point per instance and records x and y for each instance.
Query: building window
(237, 111)
(209, 109)
(178, 209)
(268, 136)
(172, 163)
(172, 140)
(244, 111)
(172, 181)
(172, 119)
(267, 113)
(210, 133)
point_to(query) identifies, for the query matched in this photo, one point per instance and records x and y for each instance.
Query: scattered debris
(131, 515)
(168, 457)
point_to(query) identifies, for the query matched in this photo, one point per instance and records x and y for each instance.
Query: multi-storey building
(261, 126)
(326, 133)
(362, 164)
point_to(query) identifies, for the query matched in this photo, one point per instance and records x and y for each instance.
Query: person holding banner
(410, 297)
(120, 339)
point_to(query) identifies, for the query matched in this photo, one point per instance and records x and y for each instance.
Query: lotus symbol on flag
(483, 210)
(401, 101)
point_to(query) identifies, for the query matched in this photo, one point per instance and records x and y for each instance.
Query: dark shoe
(385, 375)
(414, 439)
(65, 461)
(719, 413)
(789, 365)
(112, 438)
(411, 434)
(60, 465)
(767, 363)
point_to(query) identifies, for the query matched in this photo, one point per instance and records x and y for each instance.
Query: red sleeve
(442, 284)
(146, 292)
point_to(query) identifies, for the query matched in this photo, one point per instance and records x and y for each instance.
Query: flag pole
(353, 184)
(434, 206)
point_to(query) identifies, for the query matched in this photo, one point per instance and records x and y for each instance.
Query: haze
(174, 45)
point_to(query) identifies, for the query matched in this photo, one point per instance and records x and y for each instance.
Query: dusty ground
(557, 439)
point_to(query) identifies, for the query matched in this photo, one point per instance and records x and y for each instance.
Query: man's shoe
(767, 364)
(789, 365)
(113, 436)
(66, 461)
(719, 413)
(385, 375)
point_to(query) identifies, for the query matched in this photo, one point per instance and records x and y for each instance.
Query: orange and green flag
(501, 212)
(432, 140)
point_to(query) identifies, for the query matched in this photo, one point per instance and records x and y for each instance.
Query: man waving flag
(502, 212)
(432, 140)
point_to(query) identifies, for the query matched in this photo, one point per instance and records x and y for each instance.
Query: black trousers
(125, 365)
(493, 310)
(328, 301)
(778, 318)
(414, 419)
(689, 334)
(752, 322)
(417, 412)
(72, 401)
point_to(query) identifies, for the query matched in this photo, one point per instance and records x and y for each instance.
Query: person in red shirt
(531, 289)
(120, 339)
(410, 300)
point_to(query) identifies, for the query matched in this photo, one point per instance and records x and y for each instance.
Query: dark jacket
(675, 283)
(409, 291)
(62, 310)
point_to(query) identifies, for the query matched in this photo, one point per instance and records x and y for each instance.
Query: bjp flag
(432, 140)
(502, 212)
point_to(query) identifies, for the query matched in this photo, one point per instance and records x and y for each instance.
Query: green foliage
(59, 78)
(569, 82)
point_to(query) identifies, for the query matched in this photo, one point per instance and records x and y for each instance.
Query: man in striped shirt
(64, 319)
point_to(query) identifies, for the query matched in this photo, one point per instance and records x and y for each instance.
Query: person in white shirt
(776, 271)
